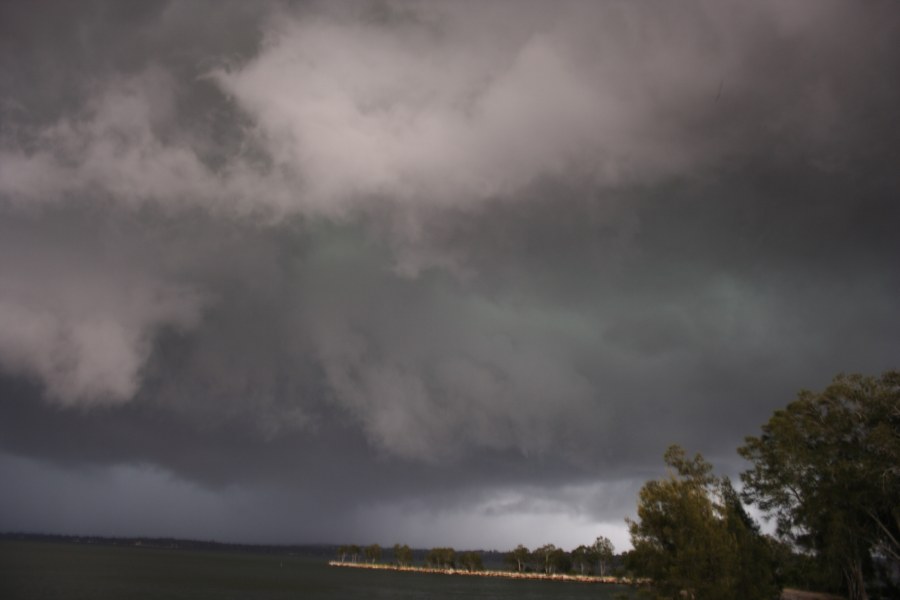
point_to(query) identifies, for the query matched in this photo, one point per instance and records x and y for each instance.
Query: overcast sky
(431, 273)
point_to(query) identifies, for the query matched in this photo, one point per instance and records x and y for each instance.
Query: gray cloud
(397, 263)
(79, 320)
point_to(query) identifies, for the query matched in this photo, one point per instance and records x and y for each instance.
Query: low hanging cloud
(424, 399)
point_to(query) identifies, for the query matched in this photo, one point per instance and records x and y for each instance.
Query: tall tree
(582, 558)
(518, 557)
(754, 571)
(543, 557)
(471, 561)
(560, 561)
(354, 551)
(683, 539)
(373, 553)
(403, 555)
(603, 553)
(828, 468)
(441, 558)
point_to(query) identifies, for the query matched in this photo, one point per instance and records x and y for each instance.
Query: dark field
(45, 571)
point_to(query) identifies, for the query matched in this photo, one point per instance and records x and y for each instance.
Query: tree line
(826, 468)
(593, 559)
(403, 555)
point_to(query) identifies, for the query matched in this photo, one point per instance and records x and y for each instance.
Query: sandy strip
(504, 574)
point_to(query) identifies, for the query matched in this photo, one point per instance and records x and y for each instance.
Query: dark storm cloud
(389, 260)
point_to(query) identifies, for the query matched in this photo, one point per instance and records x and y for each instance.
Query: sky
(436, 273)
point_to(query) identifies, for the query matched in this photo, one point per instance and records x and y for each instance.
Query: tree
(827, 467)
(518, 557)
(373, 553)
(542, 557)
(354, 551)
(754, 571)
(403, 555)
(343, 551)
(560, 562)
(582, 558)
(442, 558)
(687, 539)
(603, 551)
(471, 561)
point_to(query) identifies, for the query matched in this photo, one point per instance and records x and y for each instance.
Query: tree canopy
(691, 539)
(518, 557)
(403, 555)
(373, 553)
(602, 551)
(443, 558)
(827, 467)
(471, 561)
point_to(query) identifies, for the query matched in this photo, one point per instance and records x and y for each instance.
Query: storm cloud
(426, 271)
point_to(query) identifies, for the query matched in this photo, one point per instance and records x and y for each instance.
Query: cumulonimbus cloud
(401, 118)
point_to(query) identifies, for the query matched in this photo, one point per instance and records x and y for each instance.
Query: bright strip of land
(504, 574)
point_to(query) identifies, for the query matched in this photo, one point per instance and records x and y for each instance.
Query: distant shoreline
(501, 574)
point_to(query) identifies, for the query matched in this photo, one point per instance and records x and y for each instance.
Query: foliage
(373, 553)
(544, 557)
(471, 561)
(560, 561)
(691, 539)
(403, 555)
(827, 467)
(518, 557)
(754, 571)
(602, 553)
(800, 569)
(441, 558)
(354, 551)
(582, 558)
